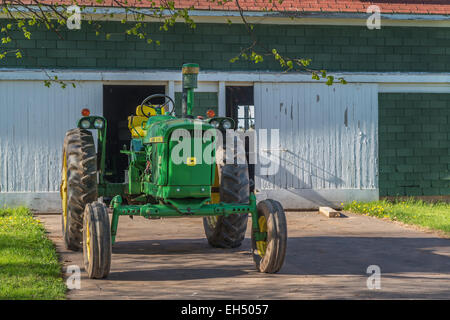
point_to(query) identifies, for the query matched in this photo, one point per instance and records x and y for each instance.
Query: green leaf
(305, 62)
(330, 80)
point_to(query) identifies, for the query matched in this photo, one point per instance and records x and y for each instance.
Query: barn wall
(329, 134)
(414, 144)
(203, 101)
(328, 142)
(334, 48)
(33, 122)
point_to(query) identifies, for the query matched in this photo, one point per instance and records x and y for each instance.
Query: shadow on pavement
(305, 256)
(352, 255)
(178, 274)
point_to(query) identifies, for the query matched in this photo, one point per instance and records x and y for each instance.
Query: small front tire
(96, 240)
(269, 251)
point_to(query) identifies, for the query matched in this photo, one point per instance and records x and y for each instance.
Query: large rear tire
(78, 184)
(96, 240)
(269, 252)
(229, 232)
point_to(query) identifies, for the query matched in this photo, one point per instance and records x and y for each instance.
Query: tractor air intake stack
(190, 73)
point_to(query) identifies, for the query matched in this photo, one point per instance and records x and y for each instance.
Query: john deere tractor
(178, 167)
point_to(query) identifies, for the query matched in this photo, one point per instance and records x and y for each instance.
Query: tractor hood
(159, 128)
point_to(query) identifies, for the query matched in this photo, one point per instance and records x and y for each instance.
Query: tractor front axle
(175, 209)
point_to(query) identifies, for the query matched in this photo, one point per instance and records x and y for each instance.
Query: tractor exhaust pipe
(190, 75)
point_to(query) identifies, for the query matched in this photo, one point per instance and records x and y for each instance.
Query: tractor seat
(136, 123)
(148, 110)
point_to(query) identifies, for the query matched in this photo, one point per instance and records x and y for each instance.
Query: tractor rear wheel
(78, 184)
(229, 232)
(96, 240)
(270, 239)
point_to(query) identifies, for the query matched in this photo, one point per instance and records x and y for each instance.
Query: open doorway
(240, 106)
(119, 102)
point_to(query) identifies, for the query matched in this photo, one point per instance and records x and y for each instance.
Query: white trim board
(232, 77)
(37, 201)
(413, 88)
(275, 17)
(314, 198)
(50, 202)
(303, 18)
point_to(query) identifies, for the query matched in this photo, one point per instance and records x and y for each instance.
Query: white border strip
(50, 202)
(315, 198)
(413, 88)
(275, 17)
(280, 14)
(213, 77)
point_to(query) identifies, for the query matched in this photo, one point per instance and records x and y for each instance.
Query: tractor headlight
(227, 124)
(214, 123)
(85, 124)
(98, 123)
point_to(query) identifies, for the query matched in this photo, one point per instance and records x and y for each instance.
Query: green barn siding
(414, 144)
(203, 101)
(343, 48)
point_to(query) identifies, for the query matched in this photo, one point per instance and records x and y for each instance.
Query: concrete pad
(326, 259)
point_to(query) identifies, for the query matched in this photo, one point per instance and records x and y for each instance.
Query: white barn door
(33, 122)
(327, 150)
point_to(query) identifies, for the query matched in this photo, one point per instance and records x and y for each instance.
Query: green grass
(29, 267)
(434, 216)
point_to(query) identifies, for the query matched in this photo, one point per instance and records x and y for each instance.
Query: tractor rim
(261, 245)
(88, 241)
(64, 190)
(213, 221)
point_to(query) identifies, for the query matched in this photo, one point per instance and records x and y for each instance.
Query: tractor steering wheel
(166, 103)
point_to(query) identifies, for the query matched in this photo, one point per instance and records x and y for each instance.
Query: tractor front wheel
(269, 238)
(78, 183)
(96, 240)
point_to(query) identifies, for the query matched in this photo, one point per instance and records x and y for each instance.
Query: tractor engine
(180, 159)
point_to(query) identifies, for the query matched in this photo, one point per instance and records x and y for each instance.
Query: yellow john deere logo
(192, 161)
(156, 139)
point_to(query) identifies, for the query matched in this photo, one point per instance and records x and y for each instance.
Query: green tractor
(178, 167)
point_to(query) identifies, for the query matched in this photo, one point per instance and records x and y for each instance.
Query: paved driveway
(326, 259)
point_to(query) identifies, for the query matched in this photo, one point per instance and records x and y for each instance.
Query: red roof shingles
(347, 6)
